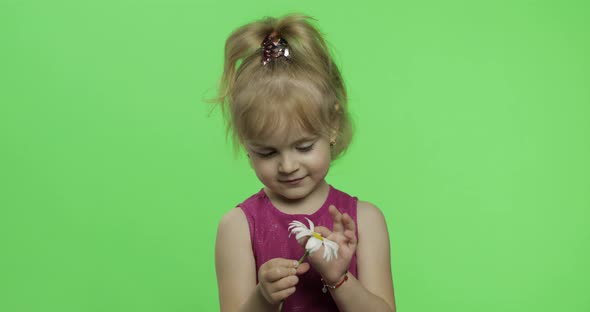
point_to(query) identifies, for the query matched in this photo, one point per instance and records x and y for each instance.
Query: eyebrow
(297, 142)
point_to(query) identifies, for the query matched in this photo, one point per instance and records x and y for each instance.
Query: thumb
(302, 268)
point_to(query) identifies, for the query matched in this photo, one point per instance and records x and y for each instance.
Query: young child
(286, 105)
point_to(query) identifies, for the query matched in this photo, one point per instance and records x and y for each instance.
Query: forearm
(352, 296)
(257, 303)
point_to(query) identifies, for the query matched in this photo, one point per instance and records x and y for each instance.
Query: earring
(332, 142)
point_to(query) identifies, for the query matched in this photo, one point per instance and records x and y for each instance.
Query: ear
(333, 137)
(335, 125)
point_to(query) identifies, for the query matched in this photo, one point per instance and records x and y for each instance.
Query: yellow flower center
(318, 236)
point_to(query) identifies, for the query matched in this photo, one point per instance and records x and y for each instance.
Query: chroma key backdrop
(472, 135)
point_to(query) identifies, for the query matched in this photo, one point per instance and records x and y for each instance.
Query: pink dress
(270, 239)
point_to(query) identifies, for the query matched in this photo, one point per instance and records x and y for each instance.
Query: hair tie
(274, 47)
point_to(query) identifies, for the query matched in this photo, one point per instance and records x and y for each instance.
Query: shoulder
(372, 227)
(234, 260)
(368, 210)
(369, 217)
(232, 230)
(373, 252)
(233, 233)
(371, 224)
(234, 217)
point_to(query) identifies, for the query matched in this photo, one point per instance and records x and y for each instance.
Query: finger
(303, 268)
(282, 262)
(283, 283)
(277, 268)
(274, 274)
(348, 223)
(323, 231)
(282, 295)
(337, 217)
(351, 237)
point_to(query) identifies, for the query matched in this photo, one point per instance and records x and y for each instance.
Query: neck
(305, 205)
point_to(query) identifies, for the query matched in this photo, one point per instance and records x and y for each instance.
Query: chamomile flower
(315, 240)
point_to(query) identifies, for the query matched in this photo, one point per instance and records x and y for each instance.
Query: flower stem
(299, 263)
(303, 258)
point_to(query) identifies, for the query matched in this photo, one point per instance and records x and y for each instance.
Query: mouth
(291, 181)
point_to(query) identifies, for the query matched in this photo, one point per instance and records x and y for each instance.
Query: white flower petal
(330, 250)
(310, 224)
(313, 244)
(303, 233)
(299, 229)
(327, 254)
(296, 225)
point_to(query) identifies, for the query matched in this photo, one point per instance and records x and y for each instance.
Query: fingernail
(295, 263)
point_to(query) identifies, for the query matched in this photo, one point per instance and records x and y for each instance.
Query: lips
(291, 180)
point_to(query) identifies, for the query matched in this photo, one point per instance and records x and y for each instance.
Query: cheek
(325, 164)
(263, 169)
(320, 161)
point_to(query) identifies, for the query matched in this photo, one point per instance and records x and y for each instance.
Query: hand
(344, 234)
(277, 278)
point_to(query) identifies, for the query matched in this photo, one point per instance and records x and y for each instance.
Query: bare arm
(236, 280)
(236, 270)
(373, 291)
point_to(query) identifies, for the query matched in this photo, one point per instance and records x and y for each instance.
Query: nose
(288, 164)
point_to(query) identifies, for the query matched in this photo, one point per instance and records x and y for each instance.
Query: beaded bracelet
(326, 286)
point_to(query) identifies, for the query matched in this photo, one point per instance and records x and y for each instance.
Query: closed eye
(266, 154)
(305, 148)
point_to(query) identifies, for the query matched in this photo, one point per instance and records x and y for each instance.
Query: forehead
(275, 110)
(280, 124)
(286, 137)
(282, 137)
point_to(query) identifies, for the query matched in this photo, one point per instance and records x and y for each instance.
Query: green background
(472, 135)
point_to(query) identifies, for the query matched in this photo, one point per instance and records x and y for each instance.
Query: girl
(285, 103)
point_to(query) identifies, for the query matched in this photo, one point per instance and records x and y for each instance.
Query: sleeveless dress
(270, 239)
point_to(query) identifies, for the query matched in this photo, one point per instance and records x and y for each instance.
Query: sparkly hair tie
(274, 47)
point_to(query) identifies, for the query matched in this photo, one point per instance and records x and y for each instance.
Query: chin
(293, 193)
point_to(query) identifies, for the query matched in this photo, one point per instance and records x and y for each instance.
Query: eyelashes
(265, 155)
(303, 149)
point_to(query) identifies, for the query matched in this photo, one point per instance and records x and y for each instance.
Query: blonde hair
(304, 91)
